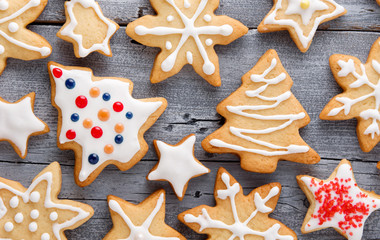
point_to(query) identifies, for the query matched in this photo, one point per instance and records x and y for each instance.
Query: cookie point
(305, 4)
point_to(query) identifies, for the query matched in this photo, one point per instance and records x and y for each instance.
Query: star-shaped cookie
(142, 221)
(36, 213)
(18, 123)
(177, 164)
(87, 28)
(301, 18)
(186, 32)
(361, 96)
(337, 202)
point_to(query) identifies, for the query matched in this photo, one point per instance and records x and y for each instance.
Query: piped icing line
(69, 29)
(239, 229)
(190, 30)
(304, 40)
(240, 110)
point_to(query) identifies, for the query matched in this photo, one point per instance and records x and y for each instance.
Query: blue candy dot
(93, 158)
(75, 117)
(129, 115)
(70, 83)
(106, 97)
(119, 139)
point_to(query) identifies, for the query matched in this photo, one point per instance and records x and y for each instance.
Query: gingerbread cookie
(142, 221)
(186, 31)
(337, 202)
(18, 123)
(87, 28)
(237, 216)
(177, 164)
(263, 118)
(100, 120)
(361, 95)
(16, 41)
(36, 212)
(301, 18)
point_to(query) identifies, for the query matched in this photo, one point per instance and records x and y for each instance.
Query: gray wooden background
(314, 85)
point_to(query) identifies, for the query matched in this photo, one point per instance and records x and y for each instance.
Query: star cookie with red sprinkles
(337, 202)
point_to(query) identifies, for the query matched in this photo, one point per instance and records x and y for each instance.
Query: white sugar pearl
(8, 227)
(45, 236)
(209, 42)
(14, 202)
(169, 18)
(35, 197)
(207, 17)
(4, 5)
(53, 216)
(34, 214)
(33, 226)
(13, 27)
(19, 218)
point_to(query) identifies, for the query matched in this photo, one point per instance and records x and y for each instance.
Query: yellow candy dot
(103, 114)
(305, 4)
(94, 92)
(87, 123)
(108, 149)
(119, 128)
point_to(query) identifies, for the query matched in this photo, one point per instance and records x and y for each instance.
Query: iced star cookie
(35, 212)
(142, 221)
(361, 95)
(16, 41)
(263, 118)
(337, 202)
(301, 18)
(177, 164)
(237, 216)
(87, 28)
(18, 123)
(186, 31)
(100, 120)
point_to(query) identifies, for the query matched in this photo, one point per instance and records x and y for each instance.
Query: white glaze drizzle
(3, 208)
(69, 29)
(240, 110)
(361, 79)
(190, 30)
(189, 57)
(143, 229)
(186, 3)
(239, 229)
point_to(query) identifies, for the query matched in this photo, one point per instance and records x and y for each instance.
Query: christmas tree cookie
(186, 31)
(100, 120)
(263, 119)
(237, 216)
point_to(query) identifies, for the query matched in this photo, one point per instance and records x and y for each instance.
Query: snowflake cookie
(100, 120)
(36, 213)
(237, 216)
(186, 31)
(337, 202)
(301, 18)
(144, 221)
(361, 96)
(87, 28)
(18, 123)
(177, 164)
(263, 118)
(16, 41)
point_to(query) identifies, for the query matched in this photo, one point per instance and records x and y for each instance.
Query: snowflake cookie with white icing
(301, 18)
(144, 221)
(361, 96)
(87, 28)
(100, 120)
(177, 164)
(337, 202)
(186, 31)
(36, 213)
(237, 216)
(18, 123)
(263, 118)
(16, 40)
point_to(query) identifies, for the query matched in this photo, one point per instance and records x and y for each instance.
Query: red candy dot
(57, 72)
(96, 132)
(81, 101)
(70, 134)
(118, 107)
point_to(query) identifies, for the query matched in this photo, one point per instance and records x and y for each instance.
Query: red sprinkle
(118, 107)
(96, 132)
(57, 72)
(81, 101)
(70, 134)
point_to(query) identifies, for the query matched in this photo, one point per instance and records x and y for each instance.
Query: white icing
(8, 227)
(2, 49)
(13, 27)
(4, 5)
(14, 202)
(3, 208)
(45, 236)
(35, 196)
(18, 122)
(239, 229)
(141, 231)
(69, 29)
(186, 3)
(294, 7)
(168, 45)
(33, 226)
(34, 214)
(314, 5)
(19, 218)
(189, 57)
(361, 79)
(177, 164)
(190, 30)
(207, 17)
(119, 91)
(209, 42)
(53, 216)
(241, 110)
(169, 18)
